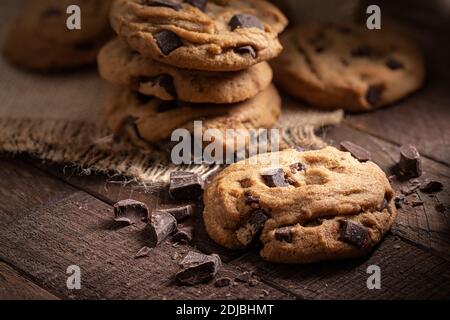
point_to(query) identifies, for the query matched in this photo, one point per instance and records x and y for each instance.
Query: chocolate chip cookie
(210, 35)
(40, 40)
(125, 67)
(348, 66)
(147, 120)
(303, 206)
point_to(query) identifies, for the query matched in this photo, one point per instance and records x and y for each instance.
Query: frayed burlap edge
(93, 147)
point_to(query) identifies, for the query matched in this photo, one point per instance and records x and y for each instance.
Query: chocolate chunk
(274, 178)
(252, 228)
(184, 235)
(244, 276)
(431, 186)
(398, 200)
(222, 282)
(198, 268)
(250, 199)
(130, 211)
(246, 50)
(201, 4)
(164, 80)
(51, 12)
(160, 226)
(394, 64)
(356, 151)
(185, 185)
(353, 233)
(284, 234)
(296, 167)
(410, 164)
(142, 98)
(180, 212)
(362, 51)
(246, 183)
(168, 41)
(373, 94)
(143, 252)
(385, 205)
(245, 21)
(163, 3)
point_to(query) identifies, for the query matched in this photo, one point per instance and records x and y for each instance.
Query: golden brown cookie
(40, 40)
(202, 34)
(304, 206)
(125, 67)
(348, 67)
(146, 120)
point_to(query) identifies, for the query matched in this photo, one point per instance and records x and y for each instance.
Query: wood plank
(14, 286)
(423, 225)
(77, 231)
(407, 272)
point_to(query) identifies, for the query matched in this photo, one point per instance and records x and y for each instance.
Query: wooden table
(53, 218)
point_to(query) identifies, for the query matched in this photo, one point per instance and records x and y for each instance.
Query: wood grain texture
(14, 286)
(407, 272)
(423, 225)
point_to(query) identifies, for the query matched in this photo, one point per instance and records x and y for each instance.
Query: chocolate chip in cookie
(274, 178)
(284, 234)
(185, 185)
(356, 151)
(373, 94)
(353, 233)
(245, 21)
(201, 4)
(363, 51)
(246, 50)
(394, 64)
(163, 3)
(164, 80)
(252, 228)
(168, 41)
(297, 167)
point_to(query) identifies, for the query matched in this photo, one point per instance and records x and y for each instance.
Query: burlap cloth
(59, 118)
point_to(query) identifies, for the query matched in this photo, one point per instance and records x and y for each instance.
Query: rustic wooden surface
(52, 217)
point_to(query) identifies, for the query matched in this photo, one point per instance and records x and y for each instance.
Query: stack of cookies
(177, 61)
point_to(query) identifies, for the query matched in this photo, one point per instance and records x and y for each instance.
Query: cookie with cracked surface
(146, 120)
(203, 35)
(125, 67)
(304, 206)
(347, 66)
(40, 40)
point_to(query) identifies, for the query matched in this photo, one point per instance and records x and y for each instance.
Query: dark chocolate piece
(431, 186)
(363, 51)
(284, 234)
(180, 212)
(250, 199)
(246, 50)
(160, 226)
(274, 178)
(222, 282)
(143, 252)
(398, 200)
(394, 64)
(130, 211)
(385, 205)
(185, 185)
(168, 41)
(356, 151)
(142, 98)
(353, 233)
(373, 95)
(410, 164)
(163, 3)
(244, 276)
(164, 80)
(201, 4)
(245, 21)
(165, 106)
(252, 228)
(198, 268)
(184, 235)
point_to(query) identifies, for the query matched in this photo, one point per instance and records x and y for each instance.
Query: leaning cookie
(303, 206)
(147, 120)
(208, 35)
(122, 66)
(348, 66)
(40, 40)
